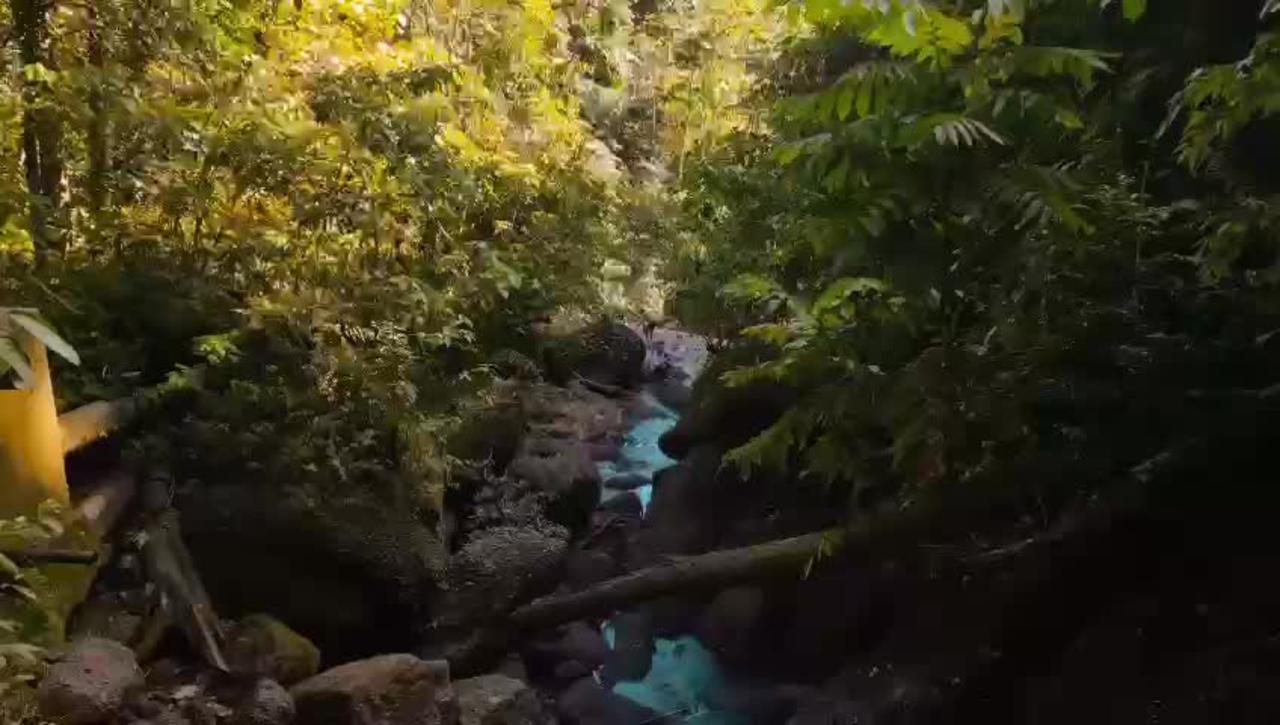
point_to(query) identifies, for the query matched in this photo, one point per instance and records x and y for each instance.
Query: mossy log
(707, 572)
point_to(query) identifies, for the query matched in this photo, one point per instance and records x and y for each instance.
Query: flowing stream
(684, 679)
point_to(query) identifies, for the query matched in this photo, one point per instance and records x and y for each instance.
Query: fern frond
(953, 129)
(1049, 61)
(1039, 195)
(869, 87)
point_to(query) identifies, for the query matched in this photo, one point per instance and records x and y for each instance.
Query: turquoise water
(684, 677)
(640, 451)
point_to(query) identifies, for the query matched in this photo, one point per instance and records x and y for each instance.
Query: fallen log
(183, 598)
(105, 503)
(706, 572)
(36, 557)
(95, 421)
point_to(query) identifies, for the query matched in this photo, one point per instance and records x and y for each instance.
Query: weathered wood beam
(95, 421)
(105, 503)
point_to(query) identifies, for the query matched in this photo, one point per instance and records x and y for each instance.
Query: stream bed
(684, 679)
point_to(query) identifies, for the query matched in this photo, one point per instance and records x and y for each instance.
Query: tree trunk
(707, 572)
(41, 130)
(97, 137)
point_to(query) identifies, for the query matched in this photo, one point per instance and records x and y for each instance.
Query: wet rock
(827, 710)
(673, 392)
(397, 689)
(497, 699)
(728, 625)
(684, 513)
(727, 417)
(587, 702)
(564, 471)
(262, 645)
(584, 567)
(627, 481)
(495, 569)
(674, 616)
(170, 716)
(500, 565)
(490, 436)
(606, 352)
(89, 683)
(353, 573)
(625, 505)
(578, 645)
(107, 616)
(266, 703)
(606, 451)
(632, 653)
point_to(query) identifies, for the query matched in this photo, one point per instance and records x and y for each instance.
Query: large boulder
(633, 647)
(497, 699)
(499, 566)
(90, 683)
(731, 621)
(584, 567)
(685, 513)
(266, 703)
(606, 352)
(262, 645)
(627, 481)
(588, 702)
(353, 574)
(562, 469)
(397, 689)
(573, 651)
(494, 570)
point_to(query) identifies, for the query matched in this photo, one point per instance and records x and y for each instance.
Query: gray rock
(632, 653)
(266, 703)
(262, 645)
(584, 567)
(626, 504)
(397, 689)
(564, 471)
(728, 625)
(89, 683)
(497, 566)
(351, 572)
(606, 352)
(497, 699)
(573, 651)
(587, 702)
(165, 717)
(627, 481)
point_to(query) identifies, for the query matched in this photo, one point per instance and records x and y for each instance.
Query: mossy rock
(263, 645)
(607, 352)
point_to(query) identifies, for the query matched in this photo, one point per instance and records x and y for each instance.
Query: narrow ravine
(684, 680)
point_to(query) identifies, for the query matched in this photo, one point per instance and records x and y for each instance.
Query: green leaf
(9, 569)
(844, 104)
(44, 334)
(750, 288)
(1134, 10)
(13, 358)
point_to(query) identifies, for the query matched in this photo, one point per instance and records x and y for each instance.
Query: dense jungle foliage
(999, 253)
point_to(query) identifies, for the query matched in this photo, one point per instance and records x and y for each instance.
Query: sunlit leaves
(951, 129)
(1134, 9)
(1218, 101)
(1042, 61)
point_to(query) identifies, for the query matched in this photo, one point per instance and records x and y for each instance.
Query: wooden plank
(95, 421)
(104, 504)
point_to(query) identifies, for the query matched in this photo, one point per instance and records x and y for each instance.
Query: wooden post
(32, 469)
